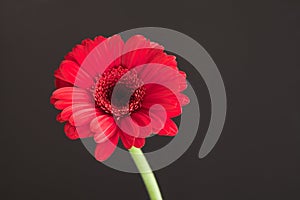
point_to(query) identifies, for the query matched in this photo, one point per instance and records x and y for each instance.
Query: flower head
(111, 90)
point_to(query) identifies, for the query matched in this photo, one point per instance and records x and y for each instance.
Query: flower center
(127, 94)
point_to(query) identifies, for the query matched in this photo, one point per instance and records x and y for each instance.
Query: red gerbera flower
(108, 89)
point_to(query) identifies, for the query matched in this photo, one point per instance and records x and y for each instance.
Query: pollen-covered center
(116, 95)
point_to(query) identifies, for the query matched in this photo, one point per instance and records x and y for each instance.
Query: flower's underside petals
(127, 140)
(130, 141)
(105, 149)
(170, 128)
(74, 133)
(71, 131)
(60, 83)
(130, 126)
(59, 118)
(139, 142)
(104, 127)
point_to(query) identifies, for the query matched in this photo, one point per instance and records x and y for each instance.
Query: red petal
(70, 72)
(68, 111)
(84, 116)
(165, 59)
(171, 79)
(71, 131)
(183, 73)
(102, 54)
(62, 104)
(183, 99)
(78, 54)
(105, 149)
(127, 140)
(170, 129)
(71, 94)
(59, 118)
(65, 97)
(60, 83)
(158, 120)
(156, 94)
(84, 131)
(74, 133)
(142, 120)
(104, 127)
(139, 142)
(138, 50)
(128, 126)
(99, 39)
(107, 54)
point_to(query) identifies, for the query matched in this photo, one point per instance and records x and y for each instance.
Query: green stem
(146, 173)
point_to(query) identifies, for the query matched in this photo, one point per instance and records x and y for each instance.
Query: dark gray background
(255, 44)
